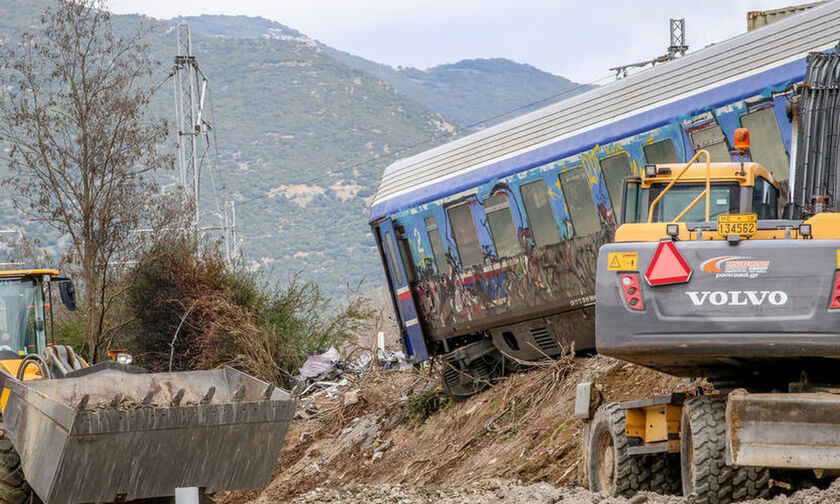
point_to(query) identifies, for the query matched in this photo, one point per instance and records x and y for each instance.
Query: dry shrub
(199, 313)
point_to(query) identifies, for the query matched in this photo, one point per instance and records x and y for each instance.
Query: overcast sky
(577, 39)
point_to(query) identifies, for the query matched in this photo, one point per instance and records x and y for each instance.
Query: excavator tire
(703, 441)
(751, 483)
(665, 477)
(704, 470)
(13, 486)
(610, 468)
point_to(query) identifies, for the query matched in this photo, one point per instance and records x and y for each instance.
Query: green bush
(70, 331)
(230, 316)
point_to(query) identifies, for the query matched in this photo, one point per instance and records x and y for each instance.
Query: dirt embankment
(397, 428)
(394, 437)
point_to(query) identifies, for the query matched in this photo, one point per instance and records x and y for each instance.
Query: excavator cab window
(631, 200)
(724, 199)
(22, 327)
(765, 201)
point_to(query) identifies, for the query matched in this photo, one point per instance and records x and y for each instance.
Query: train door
(412, 335)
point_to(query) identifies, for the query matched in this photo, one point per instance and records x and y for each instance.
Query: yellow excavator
(73, 432)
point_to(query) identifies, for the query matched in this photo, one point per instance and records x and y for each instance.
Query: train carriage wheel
(464, 378)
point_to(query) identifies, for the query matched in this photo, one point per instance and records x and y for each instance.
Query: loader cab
(22, 317)
(25, 307)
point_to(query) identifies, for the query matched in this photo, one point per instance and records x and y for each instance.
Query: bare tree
(80, 146)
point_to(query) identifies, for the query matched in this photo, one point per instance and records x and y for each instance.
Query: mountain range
(302, 132)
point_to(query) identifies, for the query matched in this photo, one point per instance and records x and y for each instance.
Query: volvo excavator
(75, 432)
(716, 275)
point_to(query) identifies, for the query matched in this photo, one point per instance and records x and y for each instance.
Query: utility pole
(678, 47)
(231, 240)
(190, 89)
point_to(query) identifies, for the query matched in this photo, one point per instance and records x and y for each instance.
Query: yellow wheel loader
(73, 432)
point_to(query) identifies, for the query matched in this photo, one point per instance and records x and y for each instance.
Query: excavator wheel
(702, 444)
(665, 477)
(610, 468)
(13, 486)
(751, 483)
(704, 470)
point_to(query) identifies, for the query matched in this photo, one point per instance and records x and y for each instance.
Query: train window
(405, 254)
(711, 139)
(765, 199)
(433, 232)
(615, 168)
(466, 237)
(579, 201)
(502, 228)
(766, 145)
(389, 244)
(661, 152)
(541, 220)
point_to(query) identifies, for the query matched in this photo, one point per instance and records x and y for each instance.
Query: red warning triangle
(667, 266)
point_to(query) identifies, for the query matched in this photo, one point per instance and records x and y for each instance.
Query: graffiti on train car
(543, 278)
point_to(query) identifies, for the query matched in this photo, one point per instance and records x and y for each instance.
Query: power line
(434, 138)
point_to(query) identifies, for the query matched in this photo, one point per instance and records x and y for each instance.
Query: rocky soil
(393, 437)
(499, 492)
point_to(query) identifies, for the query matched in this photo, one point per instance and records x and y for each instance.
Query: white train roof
(746, 54)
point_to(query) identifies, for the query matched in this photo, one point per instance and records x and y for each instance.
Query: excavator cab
(734, 188)
(701, 200)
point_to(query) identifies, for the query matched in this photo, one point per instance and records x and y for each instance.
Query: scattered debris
(393, 360)
(351, 397)
(322, 366)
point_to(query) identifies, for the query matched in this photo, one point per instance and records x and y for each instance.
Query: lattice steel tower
(190, 89)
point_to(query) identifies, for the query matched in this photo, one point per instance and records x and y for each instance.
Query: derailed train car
(489, 242)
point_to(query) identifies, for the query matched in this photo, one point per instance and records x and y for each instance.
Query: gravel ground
(500, 492)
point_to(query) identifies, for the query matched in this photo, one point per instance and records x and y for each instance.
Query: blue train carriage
(489, 242)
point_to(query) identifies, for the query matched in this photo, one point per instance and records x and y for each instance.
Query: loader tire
(610, 468)
(13, 486)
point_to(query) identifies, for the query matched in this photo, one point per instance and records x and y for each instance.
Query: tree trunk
(92, 328)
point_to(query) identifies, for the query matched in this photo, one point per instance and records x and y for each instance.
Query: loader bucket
(216, 430)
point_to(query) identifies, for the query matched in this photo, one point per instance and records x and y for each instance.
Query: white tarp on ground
(320, 363)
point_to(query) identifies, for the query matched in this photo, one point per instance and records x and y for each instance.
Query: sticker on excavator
(623, 261)
(737, 224)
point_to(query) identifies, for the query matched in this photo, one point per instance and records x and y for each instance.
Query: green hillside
(303, 132)
(472, 91)
(296, 124)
